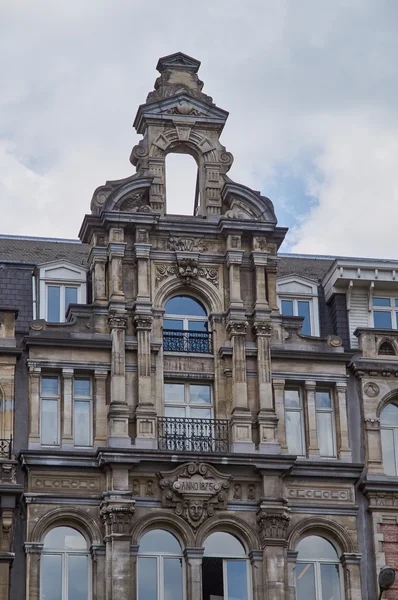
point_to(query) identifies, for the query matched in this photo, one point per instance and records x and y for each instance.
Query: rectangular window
(82, 411)
(325, 423)
(385, 313)
(298, 308)
(294, 424)
(187, 400)
(49, 411)
(58, 299)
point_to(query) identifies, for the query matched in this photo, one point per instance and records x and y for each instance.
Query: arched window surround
(186, 325)
(388, 415)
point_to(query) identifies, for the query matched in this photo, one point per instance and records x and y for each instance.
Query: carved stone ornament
(143, 322)
(137, 202)
(117, 517)
(195, 491)
(262, 328)
(372, 423)
(273, 525)
(371, 389)
(178, 244)
(240, 211)
(185, 108)
(237, 327)
(187, 269)
(117, 321)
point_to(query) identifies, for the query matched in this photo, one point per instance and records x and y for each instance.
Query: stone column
(193, 558)
(266, 418)
(273, 522)
(34, 405)
(256, 560)
(352, 575)
(373, 446)
(272, 270)
(100, 409)
(241, 421)
(67, 413)
(234, 256)
(311, 429)
(98, 571)
(279, 396)
(118, 415)
(142, 249)
(117, 513)
(259, 259)
(33, 552)
(145, 412)
(291, 574)
(343, 449)
(116, 249)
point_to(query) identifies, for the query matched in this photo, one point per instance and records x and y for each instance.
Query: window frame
(392, 310)
(64, 563)
(86, 399)
(331, 411)
(62, 295)
(56, 398)
(301, 410)
(186, 405)
(394, 429)
(160, 567)
(61, 274)
(300, 289)
(317, 570)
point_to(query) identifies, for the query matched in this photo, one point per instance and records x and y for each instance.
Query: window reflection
(317, 570)
(389, 438)
(160, 575)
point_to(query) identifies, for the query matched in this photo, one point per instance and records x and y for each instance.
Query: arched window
(185, 326)
(64, 566)
(160, 573)
(386, 349)
(389, 437)
(224, 568)
(317, 570)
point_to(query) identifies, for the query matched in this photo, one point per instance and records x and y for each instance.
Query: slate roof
(304, 266)
(18, 249)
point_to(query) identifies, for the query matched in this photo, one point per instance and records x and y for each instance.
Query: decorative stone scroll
(187, 269)
(195, 491)
(179, 244)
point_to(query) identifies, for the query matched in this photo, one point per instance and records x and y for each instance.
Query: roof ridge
(39, 239)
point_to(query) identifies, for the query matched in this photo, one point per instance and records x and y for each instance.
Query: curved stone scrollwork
(179, 244)
(188, 270)
(195, 491)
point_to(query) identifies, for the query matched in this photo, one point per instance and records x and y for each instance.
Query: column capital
(310, 385)
(67, 373)
(263, 328)
(341, 388)
(34, 371)
(237, 327)
(193, 552)
(100, 375)
(117, 320)
(279, 384)
(273, 523)
(33, 547)
(143, 322)
(117, 516)
(256, 556)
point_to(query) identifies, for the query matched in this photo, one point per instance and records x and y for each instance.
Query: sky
(311, 87)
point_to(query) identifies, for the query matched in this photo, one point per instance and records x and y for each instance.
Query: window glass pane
(82, 387)
(382, 319)
(199, 394)
(294, 438)
(212, 578)
(303, 310)
(389, 414)
(330, 582)
(316, 547)
(287, 307)
(200, 413)
(223, 544)
(51, 577)
(387, 443)
(70, 296)
(64, 538)
(172, 578)
(292, 398)
(174, 392)
(53, 303)
(175, 411)
(49, 386)
(324, 424)
(396, 302)
(381, 301)
(197, 326)
(183, 305)
(159, 540)
(77, 577)
(49, 422)
(323, 399)
(82, 423)
(305, 581)
(147, 579)
(174, 324)
(237, 579)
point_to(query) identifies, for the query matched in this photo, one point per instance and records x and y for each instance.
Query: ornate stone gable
(195, 490)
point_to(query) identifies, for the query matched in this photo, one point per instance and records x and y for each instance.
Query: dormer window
(60, 284)
(385, 313)
(298, 297)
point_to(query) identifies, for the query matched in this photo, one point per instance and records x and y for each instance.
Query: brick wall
(390, 549)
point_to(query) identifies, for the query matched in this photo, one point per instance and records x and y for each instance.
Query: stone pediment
(127, 195)
(195, 490)
(242, 203)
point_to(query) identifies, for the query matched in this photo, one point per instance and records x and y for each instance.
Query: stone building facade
(211, 419)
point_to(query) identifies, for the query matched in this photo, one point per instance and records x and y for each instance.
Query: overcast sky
(311, 87)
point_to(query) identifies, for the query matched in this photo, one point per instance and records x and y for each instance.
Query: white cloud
(309, 85)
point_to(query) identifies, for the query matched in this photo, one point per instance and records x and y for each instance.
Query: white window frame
(89, 400)
(392, 309)
(56, 398)
(317, 571)
(160, 570)
(186, 404)
(300, 410)
(394, 429)
(296, 288)
(333, 419)
(64, 566)
(62, 274)
(233, 558)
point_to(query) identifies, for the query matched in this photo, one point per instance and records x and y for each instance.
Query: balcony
(187, 341)
(181, 434)
(5, 449)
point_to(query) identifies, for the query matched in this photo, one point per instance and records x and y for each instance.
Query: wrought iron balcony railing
(5, 449)
(193, 435)
(187, 341)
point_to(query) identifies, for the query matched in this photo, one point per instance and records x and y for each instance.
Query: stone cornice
(374, 368)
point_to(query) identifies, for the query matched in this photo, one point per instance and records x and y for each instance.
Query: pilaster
(34, 405)
(343, 449)
(272, 270)
(116, 250)
(98, 269)
(100, 409)
(279, 398)
(118, 415)
(193, 558)
(312, 436)
(67, 416)
(145, 411)
(373, 446)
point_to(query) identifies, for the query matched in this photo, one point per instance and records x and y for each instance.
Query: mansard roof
(34, 251)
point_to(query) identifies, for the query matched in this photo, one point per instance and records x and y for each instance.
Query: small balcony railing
(187, 341)
(5, 449)
(193, 435)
